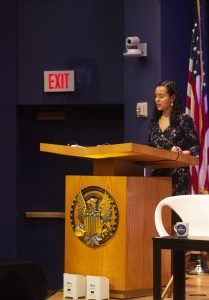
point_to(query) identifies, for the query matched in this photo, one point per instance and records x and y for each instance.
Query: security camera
(132, 42)
(134, 48)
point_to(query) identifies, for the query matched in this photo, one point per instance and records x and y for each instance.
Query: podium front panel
(126, 257)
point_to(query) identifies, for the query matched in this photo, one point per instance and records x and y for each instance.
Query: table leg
(178, 275)
(156, 270)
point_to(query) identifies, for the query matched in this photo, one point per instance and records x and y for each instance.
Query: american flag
(197, 106)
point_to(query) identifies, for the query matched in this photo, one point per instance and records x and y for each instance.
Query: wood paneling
(147, 156)
(143, 196)
(108, 259)
(45, 214)
(117, 166)
(128, 254)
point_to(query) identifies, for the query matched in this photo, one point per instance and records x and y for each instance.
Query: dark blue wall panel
(166, 27)
(85, 36)
(142, 18)
(8, 54)
(176, 30)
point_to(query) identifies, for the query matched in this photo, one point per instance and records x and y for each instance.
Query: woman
(172, 130)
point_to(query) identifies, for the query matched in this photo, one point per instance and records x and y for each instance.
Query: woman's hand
(186, 152)
(176, 149)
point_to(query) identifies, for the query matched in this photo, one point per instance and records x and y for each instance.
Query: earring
(171, 104)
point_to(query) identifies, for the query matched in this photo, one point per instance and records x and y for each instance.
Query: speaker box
(22, 280)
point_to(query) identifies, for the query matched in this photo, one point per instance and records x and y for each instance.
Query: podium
(126, 258)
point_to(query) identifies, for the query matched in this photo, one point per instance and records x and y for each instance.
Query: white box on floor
(74, 286)
(97, 288)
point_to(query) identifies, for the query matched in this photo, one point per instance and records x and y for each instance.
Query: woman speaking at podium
(173, 130)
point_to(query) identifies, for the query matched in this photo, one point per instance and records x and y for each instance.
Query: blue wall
(176, 23)
(166, 27)
(87, 36)
(142, 18)
(8, 88)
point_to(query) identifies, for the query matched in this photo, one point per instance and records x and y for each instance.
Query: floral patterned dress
(183, 135)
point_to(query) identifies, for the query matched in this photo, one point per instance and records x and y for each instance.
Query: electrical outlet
(142, 109)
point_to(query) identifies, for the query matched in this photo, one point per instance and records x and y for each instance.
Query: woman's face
(162, 99)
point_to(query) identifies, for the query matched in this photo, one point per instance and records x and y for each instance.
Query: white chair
(193, 209)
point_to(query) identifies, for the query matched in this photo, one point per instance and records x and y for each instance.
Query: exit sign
(59, 81)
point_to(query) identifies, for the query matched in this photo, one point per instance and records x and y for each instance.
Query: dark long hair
(176, 108)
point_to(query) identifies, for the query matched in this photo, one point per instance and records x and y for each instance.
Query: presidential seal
(94, 216)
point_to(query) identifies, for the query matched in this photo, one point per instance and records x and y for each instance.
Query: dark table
(179, 246)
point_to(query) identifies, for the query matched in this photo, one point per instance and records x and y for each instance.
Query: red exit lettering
(58, 81)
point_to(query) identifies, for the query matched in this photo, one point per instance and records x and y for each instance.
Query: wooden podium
(125, 258)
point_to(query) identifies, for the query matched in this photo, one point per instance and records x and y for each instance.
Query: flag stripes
(197, 106)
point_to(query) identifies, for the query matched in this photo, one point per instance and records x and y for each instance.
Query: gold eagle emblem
(94, 216)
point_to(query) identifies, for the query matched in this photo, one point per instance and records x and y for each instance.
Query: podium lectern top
(142, 154)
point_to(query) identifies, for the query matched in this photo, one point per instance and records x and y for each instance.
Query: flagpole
(201, 58)
(201, 80)
(202, 100)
